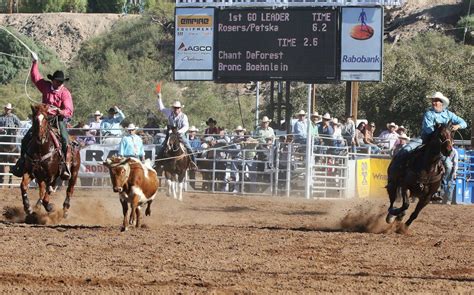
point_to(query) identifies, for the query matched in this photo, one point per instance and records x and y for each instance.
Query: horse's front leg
(70, 190)
(25, 181)
(405, 205)
(422, 202)
(392, 194)
(181, 186)
(45, 194)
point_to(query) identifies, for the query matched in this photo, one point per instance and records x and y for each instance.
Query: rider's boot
(66, 165)
(19, 167)
(192, 165)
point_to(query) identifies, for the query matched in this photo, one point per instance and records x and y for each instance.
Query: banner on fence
(93, 155)
(372, 178)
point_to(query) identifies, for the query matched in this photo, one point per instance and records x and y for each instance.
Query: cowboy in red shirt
(59, 98)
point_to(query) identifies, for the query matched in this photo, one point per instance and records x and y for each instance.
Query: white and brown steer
(136, 184)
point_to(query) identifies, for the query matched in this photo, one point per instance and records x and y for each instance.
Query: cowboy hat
(98, 113)
(131, 126)
(315, 114)
(391, 124)
(193, 129)
(59, 76)
(177, 104)
(211, 120)
(8, 106)
(112, 110)
(441, 97)
(265, 119)
(336, 121)
(239, 128)
(301, 113)
(327, 116)
(86, 127)
(401, 127)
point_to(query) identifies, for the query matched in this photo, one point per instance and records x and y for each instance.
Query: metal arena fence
(277, 169)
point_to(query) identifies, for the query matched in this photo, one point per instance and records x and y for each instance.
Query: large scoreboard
(282, 44)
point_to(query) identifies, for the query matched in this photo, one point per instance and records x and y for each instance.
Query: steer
(136, 184)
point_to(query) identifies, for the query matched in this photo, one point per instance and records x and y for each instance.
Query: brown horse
(43, 161)
(175, 163)
(421, 174)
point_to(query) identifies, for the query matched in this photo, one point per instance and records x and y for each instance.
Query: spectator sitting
(110, 126)
(337, 135)
(131, 144)
(264, 130)
(212, 129)
(86, 137)
(194, 140)
(9, 121)
(389, 136)
(326, 131)
(151, 126)
(95, 125)
(300, 128)
(369, 138)
(402, 141)
(146, 137)
(348, 131)
(315, 119)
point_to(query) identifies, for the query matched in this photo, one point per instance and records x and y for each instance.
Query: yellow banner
(363, 180)
(378, 177)
(372, 178)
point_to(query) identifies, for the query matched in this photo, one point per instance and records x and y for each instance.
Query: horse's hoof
(49, 207)
(65, 213)
(123, 228)
(400, 216)
(29, 211)
(390, 218)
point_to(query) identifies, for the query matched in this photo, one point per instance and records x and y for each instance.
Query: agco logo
(195, 48)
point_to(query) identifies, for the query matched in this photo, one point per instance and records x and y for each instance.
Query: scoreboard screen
(278, 44)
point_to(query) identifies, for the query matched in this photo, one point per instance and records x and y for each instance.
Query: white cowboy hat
(239, 128)
(441, 97)
(131, 126)
(265, 119)
(403, 136)
(177, 104)
(98, 113)
(336, 121)
(193, 129)
(8, 106)
(86, 127)
(315, 114)
(301, 113)
(327, 116)
(401, 127)
(391, 124)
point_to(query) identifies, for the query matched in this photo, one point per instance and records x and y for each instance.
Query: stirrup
(65, 173)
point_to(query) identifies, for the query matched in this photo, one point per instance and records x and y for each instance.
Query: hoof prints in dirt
(17, 215)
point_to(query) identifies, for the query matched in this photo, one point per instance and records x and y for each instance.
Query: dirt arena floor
(232, 244)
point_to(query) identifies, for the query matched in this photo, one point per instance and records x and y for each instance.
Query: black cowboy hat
(59, 76)
(211, 120)
(112, 110)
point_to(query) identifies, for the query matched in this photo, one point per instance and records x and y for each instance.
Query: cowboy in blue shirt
(110, 126)
(131, 145)
(437, 114)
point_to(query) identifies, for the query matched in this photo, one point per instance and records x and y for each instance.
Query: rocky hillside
(64, 32)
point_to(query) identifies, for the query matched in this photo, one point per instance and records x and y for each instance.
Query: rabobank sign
(361, 44)
(360, 59)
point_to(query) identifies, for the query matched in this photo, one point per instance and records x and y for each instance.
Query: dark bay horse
(43, 161)
(421, 175)
(175, 163)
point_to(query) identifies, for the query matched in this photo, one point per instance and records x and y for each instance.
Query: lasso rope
(23, 57)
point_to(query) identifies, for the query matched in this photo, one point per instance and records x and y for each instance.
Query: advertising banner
(363, 179)
(378, 177)
(93, 155)
(362, 44)
(194, 44)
